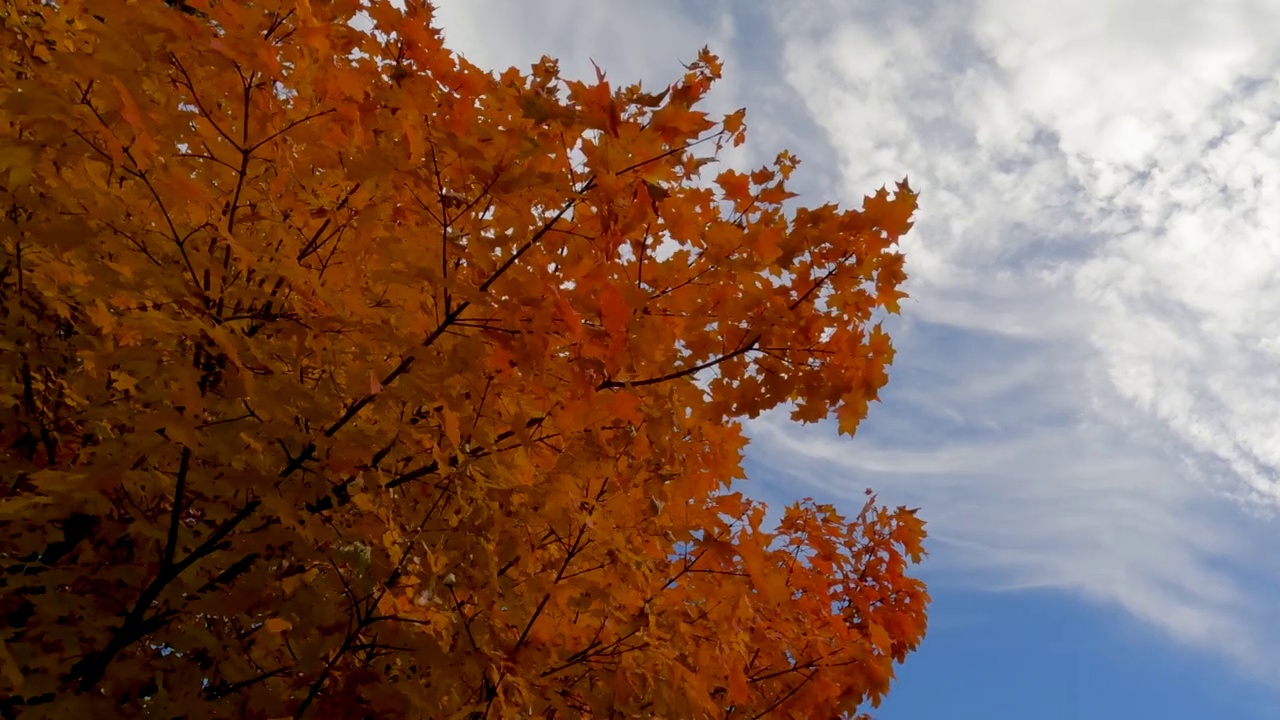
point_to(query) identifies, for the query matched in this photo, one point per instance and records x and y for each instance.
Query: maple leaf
(337, 384)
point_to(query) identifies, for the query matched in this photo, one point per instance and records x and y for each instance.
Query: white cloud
(1089, 366)
(1101, 182)
(1024, 488)
(630, 41)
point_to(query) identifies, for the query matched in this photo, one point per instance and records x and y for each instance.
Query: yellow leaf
(9, 667)
(277, 625)
(17, 160)
(128, 108)
(451, 431)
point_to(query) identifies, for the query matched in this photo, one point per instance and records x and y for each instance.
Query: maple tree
(343, 379)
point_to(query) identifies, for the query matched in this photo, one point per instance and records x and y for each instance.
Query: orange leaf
(561, 326)
(736, 186)
(614, 312)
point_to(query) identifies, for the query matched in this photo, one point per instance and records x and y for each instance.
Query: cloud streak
(1096, 186)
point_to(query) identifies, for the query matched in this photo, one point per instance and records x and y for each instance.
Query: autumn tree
(342, 379)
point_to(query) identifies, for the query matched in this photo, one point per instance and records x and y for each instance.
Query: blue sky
(1085, 402)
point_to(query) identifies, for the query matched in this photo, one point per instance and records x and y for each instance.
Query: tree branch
(175, 513)
(91, 668)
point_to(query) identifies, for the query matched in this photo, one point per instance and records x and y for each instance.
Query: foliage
(342, 379)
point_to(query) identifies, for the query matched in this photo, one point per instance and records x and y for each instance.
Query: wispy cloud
(1085, 397)
(1026, 487)
(1096, 182)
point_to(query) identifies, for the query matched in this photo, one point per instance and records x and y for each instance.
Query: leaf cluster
(340, 378)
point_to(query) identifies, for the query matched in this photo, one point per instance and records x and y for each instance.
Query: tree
(342, 379)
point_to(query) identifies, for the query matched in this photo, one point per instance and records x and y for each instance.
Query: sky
(1084, 402)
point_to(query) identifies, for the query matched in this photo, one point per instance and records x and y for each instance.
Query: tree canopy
(340, 378)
